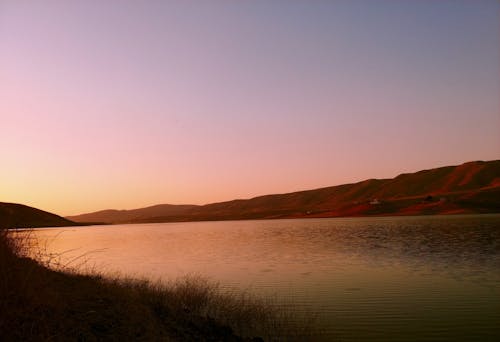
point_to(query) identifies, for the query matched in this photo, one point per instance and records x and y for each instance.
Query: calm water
(392, 278)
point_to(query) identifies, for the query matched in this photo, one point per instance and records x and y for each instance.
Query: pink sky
(126, 104)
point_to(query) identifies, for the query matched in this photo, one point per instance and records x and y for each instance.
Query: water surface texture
(387, 278)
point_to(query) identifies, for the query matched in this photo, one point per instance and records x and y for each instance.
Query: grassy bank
(38, 303)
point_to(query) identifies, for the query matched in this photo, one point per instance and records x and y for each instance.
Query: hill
(124, 216)
(473, 187)
(14, 215)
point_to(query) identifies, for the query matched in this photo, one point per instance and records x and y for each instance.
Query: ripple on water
(377, 279)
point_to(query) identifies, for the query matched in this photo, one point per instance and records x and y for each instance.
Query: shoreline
(281, 218)
(40, 303)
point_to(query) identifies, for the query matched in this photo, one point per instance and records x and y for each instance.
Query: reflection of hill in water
(430, 278)
(452, 244)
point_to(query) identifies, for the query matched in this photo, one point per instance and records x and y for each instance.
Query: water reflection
(400, 278)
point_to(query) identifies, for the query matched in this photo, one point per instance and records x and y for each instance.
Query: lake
(426, 278)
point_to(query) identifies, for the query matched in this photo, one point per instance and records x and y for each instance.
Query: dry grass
(38, 303)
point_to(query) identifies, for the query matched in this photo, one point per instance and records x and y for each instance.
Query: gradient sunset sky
(125, 104)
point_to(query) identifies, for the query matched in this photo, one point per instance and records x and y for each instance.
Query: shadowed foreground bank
(37, 303)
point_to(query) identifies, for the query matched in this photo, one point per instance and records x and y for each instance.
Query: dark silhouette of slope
(473, 187)
(14, 215)
(124, 216)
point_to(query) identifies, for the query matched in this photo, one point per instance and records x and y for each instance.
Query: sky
(125, 104)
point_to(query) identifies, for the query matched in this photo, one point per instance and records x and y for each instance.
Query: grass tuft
(45, 300)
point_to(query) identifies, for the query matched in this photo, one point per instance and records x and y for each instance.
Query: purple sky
(124, 104)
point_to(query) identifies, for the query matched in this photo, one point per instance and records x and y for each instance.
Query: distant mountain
(14, 215)
(126, 216)
(472, 187)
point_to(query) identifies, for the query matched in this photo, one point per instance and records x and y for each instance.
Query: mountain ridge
(472, 187)
(14, 215)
